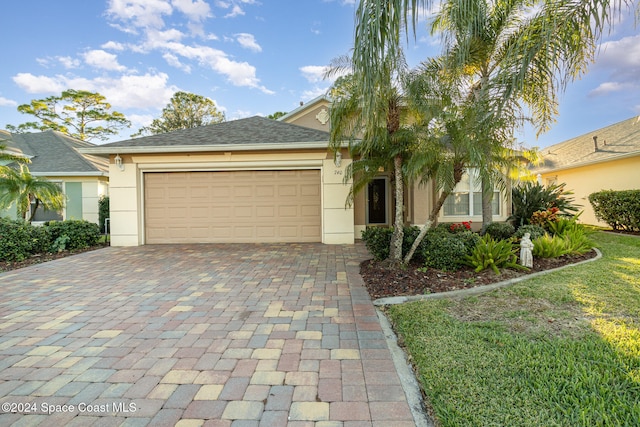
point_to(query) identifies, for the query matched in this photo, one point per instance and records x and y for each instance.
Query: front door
(377, 206)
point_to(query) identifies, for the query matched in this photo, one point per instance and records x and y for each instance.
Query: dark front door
(377, 201)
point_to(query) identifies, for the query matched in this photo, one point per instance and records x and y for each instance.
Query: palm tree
(379, 137)
(508, 56)
(19, 186)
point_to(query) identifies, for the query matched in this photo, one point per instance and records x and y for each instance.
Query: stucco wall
(623, 174)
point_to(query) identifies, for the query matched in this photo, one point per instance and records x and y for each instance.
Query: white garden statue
(526, 247)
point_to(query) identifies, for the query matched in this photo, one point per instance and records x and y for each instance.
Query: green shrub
(40, 239)
(82, 234)
(60, 244)
(499, 230)
(494, 254)
(469, 239)
(444, 251)
(529, 197)
(103, 211)
(378, 239)
(410, 235)
(619, 209)
(549, 246)
(534, 231)
(577, 241)
(561, 226)
(16, 241)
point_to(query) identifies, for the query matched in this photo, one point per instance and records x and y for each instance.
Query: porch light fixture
(118, 161)
(338, 159)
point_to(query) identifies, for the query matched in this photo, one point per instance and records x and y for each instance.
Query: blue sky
(251, 57)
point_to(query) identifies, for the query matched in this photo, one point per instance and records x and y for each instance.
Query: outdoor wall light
(338, 159)
(118, 161)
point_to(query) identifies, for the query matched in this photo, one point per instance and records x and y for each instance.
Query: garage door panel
(288, 211)
(310, 231)
(245, 191)
(265, 212)
(232, 206)
(243, 211)
(309, 211)
(309, 191)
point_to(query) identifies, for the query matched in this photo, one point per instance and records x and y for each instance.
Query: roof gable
(618, 140)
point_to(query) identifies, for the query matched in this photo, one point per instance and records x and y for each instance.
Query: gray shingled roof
(53, 153)
(618, 140)
(252, 130)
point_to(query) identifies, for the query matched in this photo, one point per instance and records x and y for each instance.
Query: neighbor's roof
(617, 141)
(253, 133)
(54, 154)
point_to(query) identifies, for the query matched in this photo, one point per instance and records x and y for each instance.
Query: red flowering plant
(460, 226)
(543, 218)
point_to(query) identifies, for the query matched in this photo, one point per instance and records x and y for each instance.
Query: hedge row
(20, 240)
(619, 209)
(442, 248)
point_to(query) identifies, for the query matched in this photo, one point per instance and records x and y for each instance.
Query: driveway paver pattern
(196, 335)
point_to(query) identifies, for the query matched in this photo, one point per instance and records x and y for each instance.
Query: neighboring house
(251, 180)
(84, 178)
(605, 159)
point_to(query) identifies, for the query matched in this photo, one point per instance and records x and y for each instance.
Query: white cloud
(68, 62)
(196, 10)
(314, 73)
(619, 62)
(140, 120)
(238, 73)
(39, 84)
(313, 93)
(4, 102)
(606, 88)
(157, 39)
(248, 41)
(134, 91)
(235, 11)
(140, 13)
(174, 61)
(103, 60)
(240, 114)
(111, 45)
(148, 91)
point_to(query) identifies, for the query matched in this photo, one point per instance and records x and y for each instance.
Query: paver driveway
(219, 335)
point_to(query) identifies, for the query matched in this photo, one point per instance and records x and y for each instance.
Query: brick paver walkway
(191, 335)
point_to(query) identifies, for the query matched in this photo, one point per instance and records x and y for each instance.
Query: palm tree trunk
(487, 206)
(395, 251)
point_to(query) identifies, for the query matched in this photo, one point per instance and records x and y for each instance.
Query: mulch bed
(384, 281)
(40, 258)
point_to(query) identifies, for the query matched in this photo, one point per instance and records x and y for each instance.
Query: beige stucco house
(84, 178)
(255, 180)
(605, 159)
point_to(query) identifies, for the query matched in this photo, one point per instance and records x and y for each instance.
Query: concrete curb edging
(406, 374)
(477, 290)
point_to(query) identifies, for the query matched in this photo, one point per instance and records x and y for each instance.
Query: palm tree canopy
(20, 187)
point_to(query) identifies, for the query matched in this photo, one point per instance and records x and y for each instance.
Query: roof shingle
(617, 140)
(55, 153)
(252, 130)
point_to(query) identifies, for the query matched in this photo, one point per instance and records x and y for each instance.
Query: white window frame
(470, 188)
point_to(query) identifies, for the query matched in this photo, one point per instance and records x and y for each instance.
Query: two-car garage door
(232, 206)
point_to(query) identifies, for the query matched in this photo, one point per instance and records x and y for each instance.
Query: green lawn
(562, 349)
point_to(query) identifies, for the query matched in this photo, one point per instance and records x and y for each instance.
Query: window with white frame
(466, 198)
